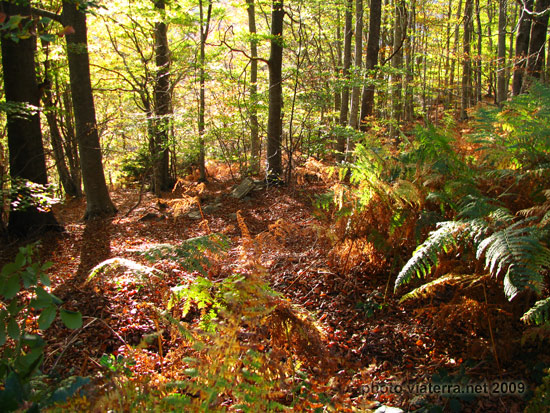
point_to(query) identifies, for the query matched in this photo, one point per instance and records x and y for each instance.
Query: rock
(194, 215)
(150, 216)
(210, 208)
(244, 188)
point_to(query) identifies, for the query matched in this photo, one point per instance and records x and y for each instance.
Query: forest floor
(379, 346)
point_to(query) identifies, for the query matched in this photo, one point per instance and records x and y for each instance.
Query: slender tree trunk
(397, 65)
(501, 54)
(479, 68)
(408, 104)
(356, 91)
(204, 31)
(98, 202)
(371, 60)
(69, 135)
(275, 121)
(338, 66)
(160, 150)
(454, 60)
(253, 104)
(70, 186)
(535, 62)
(467, 61)
(26, 151)
(344, 108)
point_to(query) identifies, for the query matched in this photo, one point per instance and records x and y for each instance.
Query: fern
(518, 250)
(426, 255)
(190, 253)
(539, 313)
(428, 289)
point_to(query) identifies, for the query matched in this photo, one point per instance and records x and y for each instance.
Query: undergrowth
(221, 341)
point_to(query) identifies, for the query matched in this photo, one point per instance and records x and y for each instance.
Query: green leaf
(33, 341)
(29, 276)
(61, 394)
(46, 317)
(13, 329)
(9, 269)
(11, 287)
(2, 335)
(72, 319)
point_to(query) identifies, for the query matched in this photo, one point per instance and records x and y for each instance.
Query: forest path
(377, 343)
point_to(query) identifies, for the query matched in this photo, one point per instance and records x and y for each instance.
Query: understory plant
(502, 222)
(27, 309)
(235, 342)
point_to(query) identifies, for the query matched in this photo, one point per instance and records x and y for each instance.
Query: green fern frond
(426, 255)
(539, 313)
(190, 253)
(517, 250)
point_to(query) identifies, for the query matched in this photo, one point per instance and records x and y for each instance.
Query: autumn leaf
(66, 31)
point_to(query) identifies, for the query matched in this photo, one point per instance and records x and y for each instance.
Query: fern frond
(539, 313)
(113, 264)
(190, 253)
(517, 250)
(428, 289)
(426, 255)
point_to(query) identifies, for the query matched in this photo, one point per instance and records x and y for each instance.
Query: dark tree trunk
(344, 107)
(204, 30)
(396, 82)
(501, 53)
(356, 91)
(253, 110)
(371, 60)
(98, 202)
(275, 121)
(539, 26)
(27, 160)
(70, 185)
(467, 61)
(160, 150)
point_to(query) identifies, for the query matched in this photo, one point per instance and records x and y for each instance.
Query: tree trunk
(159, 144)
(26, 151)
(535, 62)
(467, 61)
(98, 202)
(501, 54)
(356, 91)
(253, 104)
(344, 108)
(275, 121)
(70, 186)
(479, 68)
(204, 31)
(371, 60)
(397, 65)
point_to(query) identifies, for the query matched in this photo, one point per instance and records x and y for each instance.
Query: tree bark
(371, 60)
(70, 185)
(26, 151)
(98, 201)
(356, 91)
(501, 54)
(159, 144)
(344, 108)
(397, 64)
(204, 31)
(539, 26)
(467, 61)
(275, 121)
(253, 90)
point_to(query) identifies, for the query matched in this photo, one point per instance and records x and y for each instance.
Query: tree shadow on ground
(95, 247)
